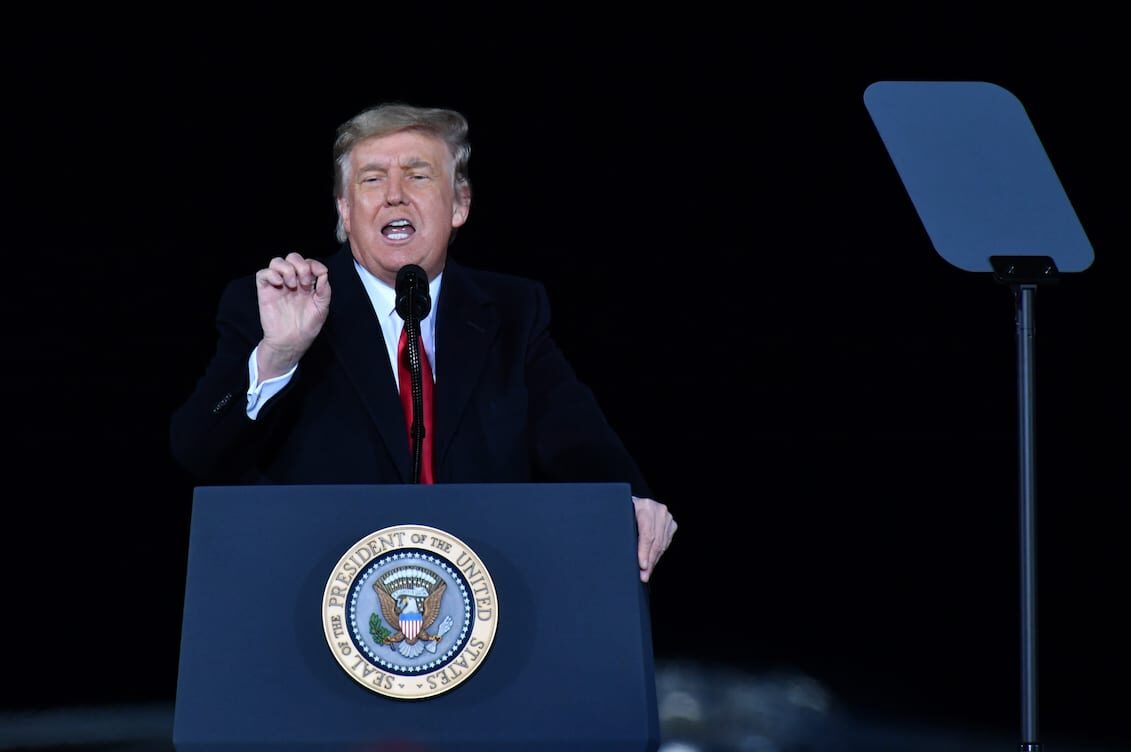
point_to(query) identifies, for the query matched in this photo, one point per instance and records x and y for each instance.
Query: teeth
(392, 230)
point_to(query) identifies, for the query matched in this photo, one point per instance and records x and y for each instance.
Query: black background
(828, 405)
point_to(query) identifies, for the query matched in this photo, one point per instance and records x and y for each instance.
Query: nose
(394, 193)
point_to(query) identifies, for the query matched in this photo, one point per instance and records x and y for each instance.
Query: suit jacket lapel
(355, 335)
(466, 325)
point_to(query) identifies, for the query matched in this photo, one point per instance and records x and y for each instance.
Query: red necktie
(406, 401)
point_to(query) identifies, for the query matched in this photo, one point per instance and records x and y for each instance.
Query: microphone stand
(412, 328)
(414, 303)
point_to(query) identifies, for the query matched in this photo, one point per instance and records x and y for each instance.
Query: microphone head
(413, 298)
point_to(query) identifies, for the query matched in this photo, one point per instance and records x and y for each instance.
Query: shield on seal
(410, 624)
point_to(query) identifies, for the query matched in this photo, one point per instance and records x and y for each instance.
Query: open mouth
(398, 229)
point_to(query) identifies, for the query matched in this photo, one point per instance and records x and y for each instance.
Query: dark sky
(827, 404)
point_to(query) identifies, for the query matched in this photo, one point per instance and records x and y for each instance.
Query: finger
(311, 272)
(646, 535)
(303, 270)
(286, 271)
(659, 537)
(295, 270)
(668, 524)
(268, 278)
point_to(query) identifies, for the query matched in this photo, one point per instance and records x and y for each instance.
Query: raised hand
(294, 300)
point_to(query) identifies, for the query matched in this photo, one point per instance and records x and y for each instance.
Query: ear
(343, 205)
(461, 206)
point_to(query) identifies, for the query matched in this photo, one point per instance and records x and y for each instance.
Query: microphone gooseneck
(413, 302)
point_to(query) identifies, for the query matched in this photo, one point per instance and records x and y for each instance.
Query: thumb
(322, 287)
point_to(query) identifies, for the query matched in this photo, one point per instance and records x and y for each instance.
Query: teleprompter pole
(1023, 274)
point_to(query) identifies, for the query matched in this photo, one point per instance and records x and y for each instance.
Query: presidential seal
(410, 612)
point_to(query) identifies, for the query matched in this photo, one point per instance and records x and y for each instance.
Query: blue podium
(283, 646)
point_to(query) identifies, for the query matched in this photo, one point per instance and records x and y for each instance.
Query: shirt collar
(383, 296)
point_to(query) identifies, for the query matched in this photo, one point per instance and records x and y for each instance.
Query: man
(301, 391)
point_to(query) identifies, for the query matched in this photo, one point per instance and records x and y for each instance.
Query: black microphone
(413, 298)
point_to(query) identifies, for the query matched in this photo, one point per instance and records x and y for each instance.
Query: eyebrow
(409, 164)
(415, 162)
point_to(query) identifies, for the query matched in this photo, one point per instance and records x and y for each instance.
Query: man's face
(400, 204)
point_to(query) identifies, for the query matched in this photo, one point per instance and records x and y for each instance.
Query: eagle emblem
(409, 611)
(410, 603)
